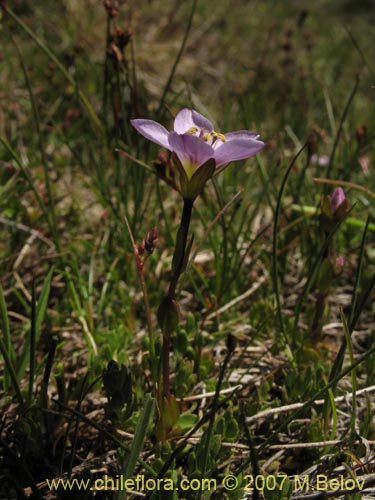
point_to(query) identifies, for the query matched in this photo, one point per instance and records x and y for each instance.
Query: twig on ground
(240, 298)
(296, 406)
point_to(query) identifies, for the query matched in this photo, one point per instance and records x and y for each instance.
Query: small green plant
(117, 384)
(334, 210)
(199, 153)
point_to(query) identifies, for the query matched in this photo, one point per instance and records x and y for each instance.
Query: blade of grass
(355, 311)
(311, 276)
(90, 110)
(221, 262)
(46, 377)
(6, 333)
(122, 125)
(340, 127)
(275, 271)
(74, 439)
(59, 376)
(200, 288)
(309, 211)
(332, 425)
(239, 265)
(109, 278)
(106, 76)
(270, 189)
(146, 299)
(211, 225)
(253, 454)
(103, 430)
(111, 437)
(366, 425)
(330, 113)
(84, 390)
(11, 370)
(358, 273)
(44, 399)
(178, 57)
(36, 322)
(353, 419)
(42, 303)
(137, 444)
(231, 348)
(51, 202)
(362, 302)
(27, 176)
(353, 185)
(72, 280)
(141, 163)
(360, 51)
(32, 344)
(340, 356)
(170, 239)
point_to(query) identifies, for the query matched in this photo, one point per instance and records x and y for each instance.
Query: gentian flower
(339, 265)
(337, 198)
(335, 206)
(195, 143)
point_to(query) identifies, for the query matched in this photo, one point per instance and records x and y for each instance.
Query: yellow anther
(192, 130)
(217, 135)
(208, 136)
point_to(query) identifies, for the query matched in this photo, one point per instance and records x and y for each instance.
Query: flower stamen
(218, 135)
(213, 135)
(192, 130)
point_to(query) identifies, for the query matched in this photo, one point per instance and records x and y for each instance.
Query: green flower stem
(178, 266)
(179, 256)
(318, 321)
(166, 366)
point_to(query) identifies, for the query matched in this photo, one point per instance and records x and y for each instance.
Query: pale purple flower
(340, 261)
(194, 140)
(338, 265)
(322, 160)
(337, 197)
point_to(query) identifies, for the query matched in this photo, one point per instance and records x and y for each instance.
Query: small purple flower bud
(340, 261)
(337, 197)
(338, 265)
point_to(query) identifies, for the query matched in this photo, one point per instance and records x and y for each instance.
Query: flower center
(214, 136)
(208, 136)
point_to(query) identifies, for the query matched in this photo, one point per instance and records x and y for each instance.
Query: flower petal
(241, 134)
(201, 122)
(152, 131)
(337, 197)
(188, 118)
(236, 149)
(191, 151)
(183, 121)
